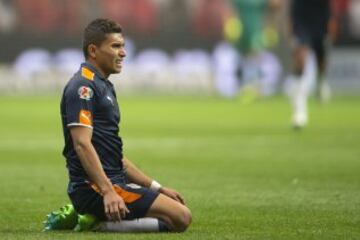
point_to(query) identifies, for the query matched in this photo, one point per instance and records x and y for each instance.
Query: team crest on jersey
(85, 93)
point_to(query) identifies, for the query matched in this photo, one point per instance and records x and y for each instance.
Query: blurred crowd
(201, 18)
(140, 17)
(164, 37)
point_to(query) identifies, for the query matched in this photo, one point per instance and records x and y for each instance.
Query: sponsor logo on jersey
(110, 99)
(85, 93)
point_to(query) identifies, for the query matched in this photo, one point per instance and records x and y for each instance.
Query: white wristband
(155, 186)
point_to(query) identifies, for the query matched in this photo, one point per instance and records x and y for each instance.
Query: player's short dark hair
(96, 31)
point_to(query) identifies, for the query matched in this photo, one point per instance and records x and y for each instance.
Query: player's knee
(183, 220)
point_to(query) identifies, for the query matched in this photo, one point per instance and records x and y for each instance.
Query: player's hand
(275, 4)
(115, 208)
(171, 193)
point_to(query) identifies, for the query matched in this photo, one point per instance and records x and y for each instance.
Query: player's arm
(333, 26)
(115, 208)
(135, 175)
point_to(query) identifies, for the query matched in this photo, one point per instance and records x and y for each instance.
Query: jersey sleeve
(79, 104)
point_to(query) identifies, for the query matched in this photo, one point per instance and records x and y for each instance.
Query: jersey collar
(94, 70)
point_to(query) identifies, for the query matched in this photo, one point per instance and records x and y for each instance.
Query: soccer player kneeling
(108, 192)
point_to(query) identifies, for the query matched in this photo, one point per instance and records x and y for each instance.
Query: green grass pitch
(244, 172)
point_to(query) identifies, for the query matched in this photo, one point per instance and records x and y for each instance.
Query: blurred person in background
(207, 18)
(139, 16)
(312, 25)
(246, 29)
(8, 16)
(105, 187)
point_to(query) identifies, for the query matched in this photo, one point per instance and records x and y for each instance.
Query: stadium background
(245, 173)
(53, 29)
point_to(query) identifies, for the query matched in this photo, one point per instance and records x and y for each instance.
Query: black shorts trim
(313, 40)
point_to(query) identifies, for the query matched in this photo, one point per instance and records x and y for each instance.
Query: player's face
(110, 54)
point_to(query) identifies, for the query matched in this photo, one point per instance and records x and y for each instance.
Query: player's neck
(98, 68)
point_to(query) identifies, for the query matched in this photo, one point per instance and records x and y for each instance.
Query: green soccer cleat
(65, 218)
(86, 222)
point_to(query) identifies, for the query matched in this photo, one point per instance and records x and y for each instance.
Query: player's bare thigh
(176, 215)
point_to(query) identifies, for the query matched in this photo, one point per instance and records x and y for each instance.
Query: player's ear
(92, 50)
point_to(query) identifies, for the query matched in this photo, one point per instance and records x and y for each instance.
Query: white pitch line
(133, 143)
(53, 144)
